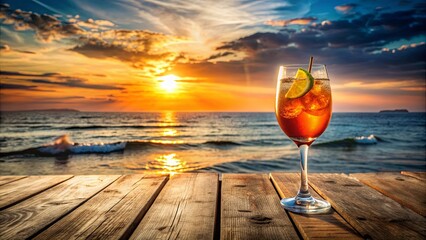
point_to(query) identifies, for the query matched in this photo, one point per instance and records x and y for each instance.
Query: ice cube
(290, 108)
(316, 104)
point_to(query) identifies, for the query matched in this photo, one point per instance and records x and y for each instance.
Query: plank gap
(408, 191)
(8, 179)
(109, 210)
(185, 208)
(251, 210)
(370, 212)
(20, 196)
(286, 212)
(143, 212)
(316, 225)
(216, 234)
(340, 215)
(129, 231)
(110, 213)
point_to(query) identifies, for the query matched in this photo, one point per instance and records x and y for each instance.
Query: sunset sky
(190, 55)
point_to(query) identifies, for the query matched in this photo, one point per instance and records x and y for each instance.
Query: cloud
(10, 73)
(18, 101)
(354, 48)
(219, 55)
(93, 24)
(213, 20)
(365, 31)
(10, 35)
(294, 21)
(257, 42)
(141, 49)
(59, 80)
(104, 23)
(47, 27)
(346, 8)
(403, 47)
(25, 51)
(22, 87)
(202, 25)
(76, 82)
(151, 52)
(6, 48)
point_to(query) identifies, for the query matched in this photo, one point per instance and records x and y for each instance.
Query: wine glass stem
(304, 187)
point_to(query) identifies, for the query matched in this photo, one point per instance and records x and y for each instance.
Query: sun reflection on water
(168, 132)
(165, 142)
(169, 164)
(168, 119)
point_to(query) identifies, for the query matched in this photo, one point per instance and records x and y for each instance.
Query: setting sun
(168, 82)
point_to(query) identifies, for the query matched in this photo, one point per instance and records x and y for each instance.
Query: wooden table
(200, 206)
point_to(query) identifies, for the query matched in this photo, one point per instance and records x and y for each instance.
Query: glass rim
(306, 64)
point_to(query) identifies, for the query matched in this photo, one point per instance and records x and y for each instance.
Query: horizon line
(162, 111)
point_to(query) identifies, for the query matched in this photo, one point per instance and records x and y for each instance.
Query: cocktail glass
(303, 114)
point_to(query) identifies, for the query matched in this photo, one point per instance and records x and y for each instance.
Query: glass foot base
(308, 205)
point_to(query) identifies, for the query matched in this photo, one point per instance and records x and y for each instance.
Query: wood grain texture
(21, 189)
(319, 226)
(418, 175)
(8, 179)
(250, 209)
(408, 191)
(112, 213)
(185, 209)
(28, 217)
(371, 213)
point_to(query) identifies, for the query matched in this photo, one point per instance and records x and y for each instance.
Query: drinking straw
(311, 61)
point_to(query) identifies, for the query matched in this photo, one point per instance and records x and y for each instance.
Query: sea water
(171, 142)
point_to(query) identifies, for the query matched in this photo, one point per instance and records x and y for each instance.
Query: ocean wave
(123, 126)
(222, 143)
(250, 166)
(62, 145)
(352, 142)
(221, 135)
(88, 117)
(20, 127)
(40, 127)
(85, 148)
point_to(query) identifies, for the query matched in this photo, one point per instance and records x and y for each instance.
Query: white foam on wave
(63, 144)
(366, 140)
(98, 148)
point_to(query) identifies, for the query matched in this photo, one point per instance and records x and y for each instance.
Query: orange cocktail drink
(305, 118)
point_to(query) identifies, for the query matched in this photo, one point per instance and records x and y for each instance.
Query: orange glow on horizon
(120, 87)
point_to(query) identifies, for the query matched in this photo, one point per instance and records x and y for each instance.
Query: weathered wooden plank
(250, 209)
(26, 187)
(408, 191)
(418, 175)
(8, 179)
(324, 226)
(185, 209)
(28, 217)
(371, 213)
(112, 213)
